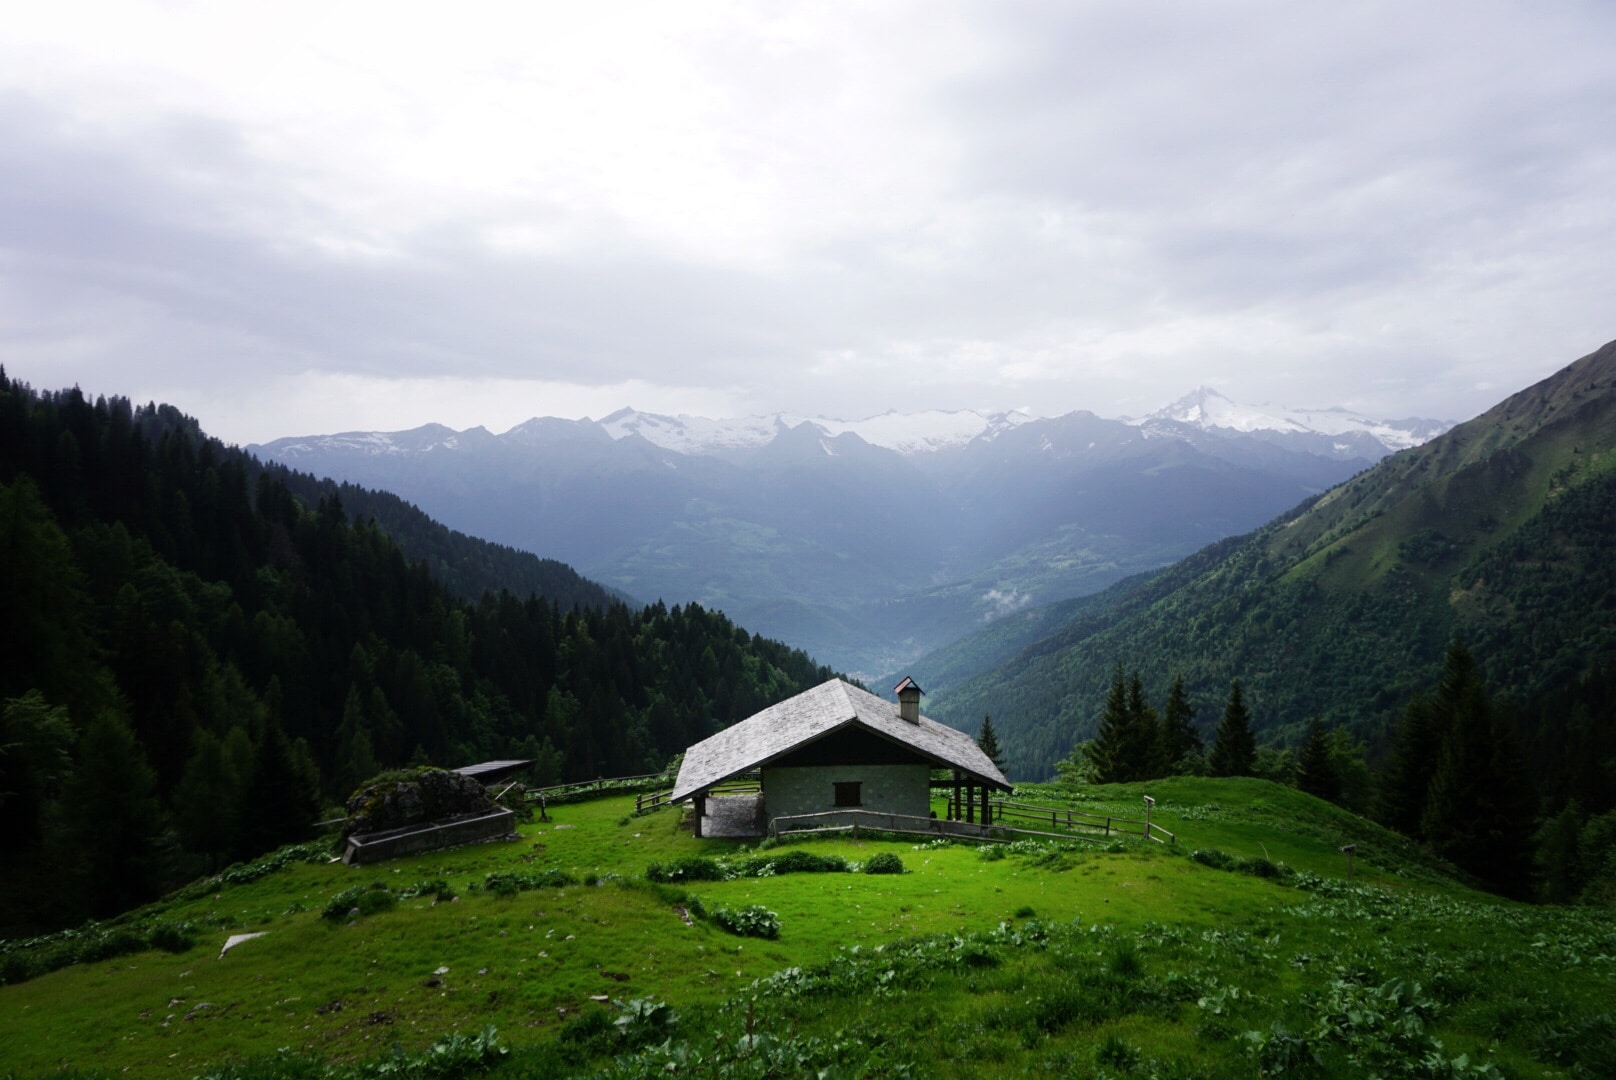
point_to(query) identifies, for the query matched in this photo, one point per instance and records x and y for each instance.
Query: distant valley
(866, 543)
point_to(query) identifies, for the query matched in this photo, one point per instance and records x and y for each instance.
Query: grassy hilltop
(1253, 957)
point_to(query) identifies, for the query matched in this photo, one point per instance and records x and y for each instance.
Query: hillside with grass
(613, 944)
(1503, 531)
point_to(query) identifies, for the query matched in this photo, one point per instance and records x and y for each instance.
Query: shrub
(109, 944)
(20, 967)
(174, 937)
(1281, 1052)
(645, 1020)
(436, 888)
(1118, 1053)
(797, 861)
(1125, 962)
(506, 884)
(1214, 858)
(1261, 867)
(884, 863)
(753, 921)
(345, 901)
(691, 868)
(376, 901)
(457, 1055)
(592, 1031)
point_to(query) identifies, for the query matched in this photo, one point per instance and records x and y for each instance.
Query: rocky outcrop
(410, 797)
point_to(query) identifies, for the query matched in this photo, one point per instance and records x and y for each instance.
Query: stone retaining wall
(375, 847)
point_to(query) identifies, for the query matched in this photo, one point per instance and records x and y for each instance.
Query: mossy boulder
(398, 800)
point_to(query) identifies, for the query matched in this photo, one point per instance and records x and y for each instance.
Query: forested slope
(189, 649)
(466, 565)
(1502, 530)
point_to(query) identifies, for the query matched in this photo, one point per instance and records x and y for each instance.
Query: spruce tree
(1404, 780)
(207, 802)
(1559, 862)
(1234, 747)
(1315, 765)
(1478, 812)
(279, 806)
(111, 802)
(1108, 750)
(1143, 743)
(1178, 735)
(988, 740)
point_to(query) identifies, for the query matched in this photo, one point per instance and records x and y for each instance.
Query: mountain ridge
(864, 543)
(1501, 529)
(909, 434)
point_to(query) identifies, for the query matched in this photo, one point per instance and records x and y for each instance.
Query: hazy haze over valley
(866, 542)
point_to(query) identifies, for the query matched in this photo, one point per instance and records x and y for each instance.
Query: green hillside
(1503, 530)
(1241, 951)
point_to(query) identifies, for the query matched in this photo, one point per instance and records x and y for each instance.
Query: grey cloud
(1394, 189)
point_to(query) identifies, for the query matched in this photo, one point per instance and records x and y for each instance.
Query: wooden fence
(741, 786)
(1059, 817)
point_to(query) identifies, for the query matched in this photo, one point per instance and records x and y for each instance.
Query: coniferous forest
(194, 653)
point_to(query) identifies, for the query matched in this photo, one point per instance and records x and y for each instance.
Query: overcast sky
(310, 217)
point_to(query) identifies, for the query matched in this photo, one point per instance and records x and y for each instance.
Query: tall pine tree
(1478, 811)
(1143, 743)
(1405, 778)
(114, 819)
(1178, 735)
(1315, 766)
(988, 740)
(1108, 750)
(1234, 747)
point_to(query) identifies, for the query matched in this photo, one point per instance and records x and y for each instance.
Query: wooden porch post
(970, 801)
(700, 803)
(987, 811)
(954, 806)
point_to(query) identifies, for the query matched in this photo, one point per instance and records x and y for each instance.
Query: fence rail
(853, 820)
(1058, 817)
(598, 784)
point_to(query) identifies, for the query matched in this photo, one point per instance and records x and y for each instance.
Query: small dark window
(847, 793)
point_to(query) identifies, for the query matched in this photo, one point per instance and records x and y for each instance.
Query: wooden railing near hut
(1076, 820)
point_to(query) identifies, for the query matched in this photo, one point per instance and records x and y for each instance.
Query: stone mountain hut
(836, 748)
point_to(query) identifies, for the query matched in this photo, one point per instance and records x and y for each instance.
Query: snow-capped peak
(906, 433)
(1209, 410)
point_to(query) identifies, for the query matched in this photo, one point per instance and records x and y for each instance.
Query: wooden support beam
(700, 803)
(954, 805)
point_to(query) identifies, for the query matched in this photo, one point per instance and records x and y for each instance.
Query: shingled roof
(813, 714)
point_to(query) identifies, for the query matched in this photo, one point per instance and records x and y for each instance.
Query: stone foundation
(472, 829)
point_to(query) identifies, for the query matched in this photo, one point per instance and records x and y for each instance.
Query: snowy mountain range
(1332, 432)
(865, 542)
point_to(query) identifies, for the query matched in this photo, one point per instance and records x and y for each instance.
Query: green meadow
(1242, 950)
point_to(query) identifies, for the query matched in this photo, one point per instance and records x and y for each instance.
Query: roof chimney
(909, 699)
